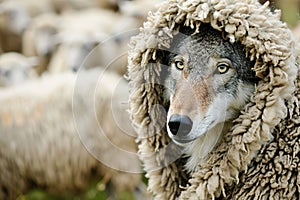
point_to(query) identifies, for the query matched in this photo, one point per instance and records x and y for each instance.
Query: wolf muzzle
(180, 125)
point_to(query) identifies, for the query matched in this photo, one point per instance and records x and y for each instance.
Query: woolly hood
(259, 157)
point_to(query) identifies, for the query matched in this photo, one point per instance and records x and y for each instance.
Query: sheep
(70, 51)
(62, 42)
(15, 17)
(112, 52)
(58, 39)
(39, 38)
(59, 140)
(258, 157)
(138, 8)
(62, 6)
(16, 68)
(78, 33)
(13, 21)
(34, 8)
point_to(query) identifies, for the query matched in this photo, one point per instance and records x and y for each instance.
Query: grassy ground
(92, 193)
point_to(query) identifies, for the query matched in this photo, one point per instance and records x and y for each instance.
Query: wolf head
(209, 82)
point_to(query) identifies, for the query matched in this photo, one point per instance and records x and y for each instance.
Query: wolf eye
(222, 68)
(178, 64)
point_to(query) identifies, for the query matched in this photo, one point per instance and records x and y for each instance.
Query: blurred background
(43, 37)
(290, 10)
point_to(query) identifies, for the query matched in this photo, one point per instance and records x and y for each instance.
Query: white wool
(50, 134)
(16, 69)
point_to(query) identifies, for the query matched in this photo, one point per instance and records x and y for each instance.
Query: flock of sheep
(63, 119)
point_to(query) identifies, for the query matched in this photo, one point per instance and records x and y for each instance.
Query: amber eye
(178, 64)
(222, 68)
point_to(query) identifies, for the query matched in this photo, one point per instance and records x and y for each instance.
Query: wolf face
(210, 80)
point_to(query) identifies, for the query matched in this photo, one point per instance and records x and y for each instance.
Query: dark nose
(181, 124)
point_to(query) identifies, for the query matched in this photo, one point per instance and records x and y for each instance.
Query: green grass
(91, 193)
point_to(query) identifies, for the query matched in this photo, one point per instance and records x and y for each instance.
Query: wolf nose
(181, 124)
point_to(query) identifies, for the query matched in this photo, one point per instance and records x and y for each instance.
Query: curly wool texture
(258, 157)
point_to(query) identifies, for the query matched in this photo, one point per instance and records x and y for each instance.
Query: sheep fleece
(48, 132)
(259, 157)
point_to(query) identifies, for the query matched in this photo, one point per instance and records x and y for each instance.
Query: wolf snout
(180, 125)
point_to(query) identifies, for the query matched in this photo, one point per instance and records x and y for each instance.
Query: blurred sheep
(63, 42)
(62, 6)
(38, 39)
(80, 32)
(58, 39)
(70, 51)
(15, 16)
(111, 53)
(52, 138)
(32, 7)
(16, 68)
(138, 8)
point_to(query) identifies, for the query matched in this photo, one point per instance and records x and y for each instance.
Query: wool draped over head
(259, 157)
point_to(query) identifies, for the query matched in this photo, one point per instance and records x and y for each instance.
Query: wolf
(209, 81)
